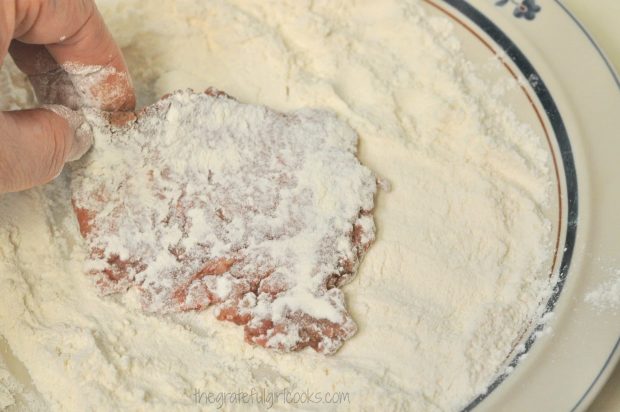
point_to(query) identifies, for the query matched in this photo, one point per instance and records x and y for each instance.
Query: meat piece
(200, 200)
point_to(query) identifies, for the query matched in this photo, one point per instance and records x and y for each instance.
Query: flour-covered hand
(72, 61)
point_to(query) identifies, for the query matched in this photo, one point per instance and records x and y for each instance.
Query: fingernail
(82, 131)
(82, 142)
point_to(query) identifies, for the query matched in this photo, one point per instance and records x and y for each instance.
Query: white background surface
(602, 19)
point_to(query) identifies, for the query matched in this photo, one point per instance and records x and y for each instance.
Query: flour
(87, 81)
(78, 85)
(456, 274)
(606, 296)
(82, 131)
(202, 194)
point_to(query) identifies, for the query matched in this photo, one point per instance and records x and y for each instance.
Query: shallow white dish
(571, 96)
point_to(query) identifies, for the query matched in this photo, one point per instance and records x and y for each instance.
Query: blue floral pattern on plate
(523, 8)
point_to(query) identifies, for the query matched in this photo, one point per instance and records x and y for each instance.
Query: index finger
(77, 38)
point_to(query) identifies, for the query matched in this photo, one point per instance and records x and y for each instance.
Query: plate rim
(560, 135)
(497, 36)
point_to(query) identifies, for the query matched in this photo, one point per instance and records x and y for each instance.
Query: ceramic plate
(570, 94)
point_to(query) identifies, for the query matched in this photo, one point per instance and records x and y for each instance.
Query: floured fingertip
(82, 142)
(101, 87)
(82, 131)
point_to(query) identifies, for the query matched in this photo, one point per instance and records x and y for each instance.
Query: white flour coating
(606, 296)
(82, 131)
(86, 79)
(78, 85)
(462, 252)
(204, 199)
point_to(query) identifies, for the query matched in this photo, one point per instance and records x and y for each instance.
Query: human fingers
(50, 82)
(76, 37)
(35, 144)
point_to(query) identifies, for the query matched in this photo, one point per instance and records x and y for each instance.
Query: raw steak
(199, 200)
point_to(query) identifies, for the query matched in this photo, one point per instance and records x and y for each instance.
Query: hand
(71, 60)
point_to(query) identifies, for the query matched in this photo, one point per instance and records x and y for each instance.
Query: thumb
(35, 144)
(82, 132)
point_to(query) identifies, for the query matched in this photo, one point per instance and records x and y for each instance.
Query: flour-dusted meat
(200, 200)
